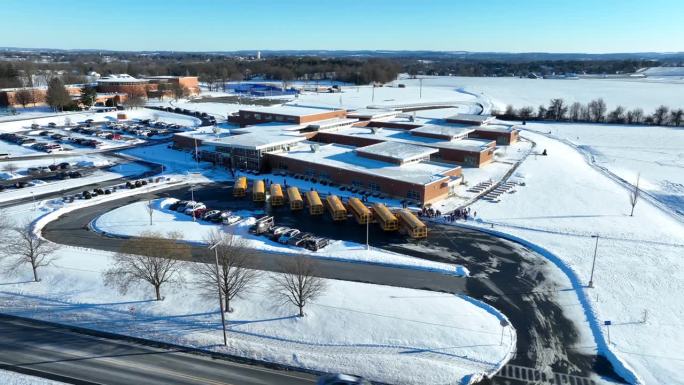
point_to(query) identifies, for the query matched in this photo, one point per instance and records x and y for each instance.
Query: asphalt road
(62, 354)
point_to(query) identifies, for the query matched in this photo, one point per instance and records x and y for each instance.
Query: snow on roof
(290, 110)
(403, 152)
(332, 123)
(444, 130)
(345, 158)
(255, 140)
(117, 78)
(372, 113)
(471, 118)
(404, 136)
(496, 128)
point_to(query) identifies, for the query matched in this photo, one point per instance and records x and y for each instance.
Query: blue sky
(203, 25)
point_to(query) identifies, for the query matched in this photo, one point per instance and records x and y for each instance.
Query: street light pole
(421, 87)
(593, 263)
(218, 284)
(367, 221)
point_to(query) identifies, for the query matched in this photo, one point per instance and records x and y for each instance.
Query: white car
(231, 220)
(189, 210)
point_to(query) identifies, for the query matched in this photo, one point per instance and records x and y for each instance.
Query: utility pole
(373, 93)
(503, 324)
(593, 263)
(367, 222)
(218, 284)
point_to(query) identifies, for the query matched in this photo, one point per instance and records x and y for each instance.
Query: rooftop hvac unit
(314, 147)
(375, 130)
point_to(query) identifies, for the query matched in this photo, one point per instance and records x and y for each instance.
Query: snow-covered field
(384, 333)
(12, 378)
(630, 93)
(639, 274)
(133, 219)
(654, 153)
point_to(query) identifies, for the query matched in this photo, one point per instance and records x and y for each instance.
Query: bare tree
(526, 113)
(676, 117)
(597, 110)
(298, 283)
(635, 116)
(24, 97)
(23, 246)
(150, 258)
(231, 276)
(660, 115)
(617, 115)
(574, 111)
(634, 195)
(557, 109)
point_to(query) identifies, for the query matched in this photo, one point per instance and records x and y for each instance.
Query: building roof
(402, 152)
(404, 136)
(373, 113)
(497, 128)
(471, 118)
(255, 140)
(120, 78)
(290, 110)
(345, 158)
(450, 131)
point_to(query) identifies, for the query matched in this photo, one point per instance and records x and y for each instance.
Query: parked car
(193, 209)
(138, 183)
(75, 174)
(298, 239)
(315, 244)
(87, 195)
(341, 379)
(284, 237)
(175, 205)
(231, 220)
(198, 212)
(210, 214)
(181, 208)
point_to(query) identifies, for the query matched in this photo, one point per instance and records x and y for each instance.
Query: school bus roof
(241, 182)
(335, 203)
(358, 206)
(276, 190)
(313, 198)
(259, 186)
(410, 219)
(383, 212)
(293, 194)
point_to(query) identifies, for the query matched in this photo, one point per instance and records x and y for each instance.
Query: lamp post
(421, 87)
(218, 284)
(367, 222)
(593, 263)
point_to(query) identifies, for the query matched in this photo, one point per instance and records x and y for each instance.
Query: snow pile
(133, 219)
(12, 378)
(639, 274)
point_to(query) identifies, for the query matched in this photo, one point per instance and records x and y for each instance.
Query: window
(357, 183)
(257, 116)
(374, 186)
(412, 194)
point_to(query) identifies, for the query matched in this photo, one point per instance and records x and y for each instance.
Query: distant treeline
(593, 112)
(26, 68)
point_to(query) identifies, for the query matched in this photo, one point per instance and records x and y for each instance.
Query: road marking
(537, 376)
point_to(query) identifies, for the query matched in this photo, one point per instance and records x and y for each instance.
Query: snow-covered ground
(18, 168)
(12, 378)
(639, 274)
(630, 93)
(133, 219)
(384, 333)
(654, 153)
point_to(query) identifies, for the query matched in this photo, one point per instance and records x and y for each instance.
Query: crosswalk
(527, 375)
